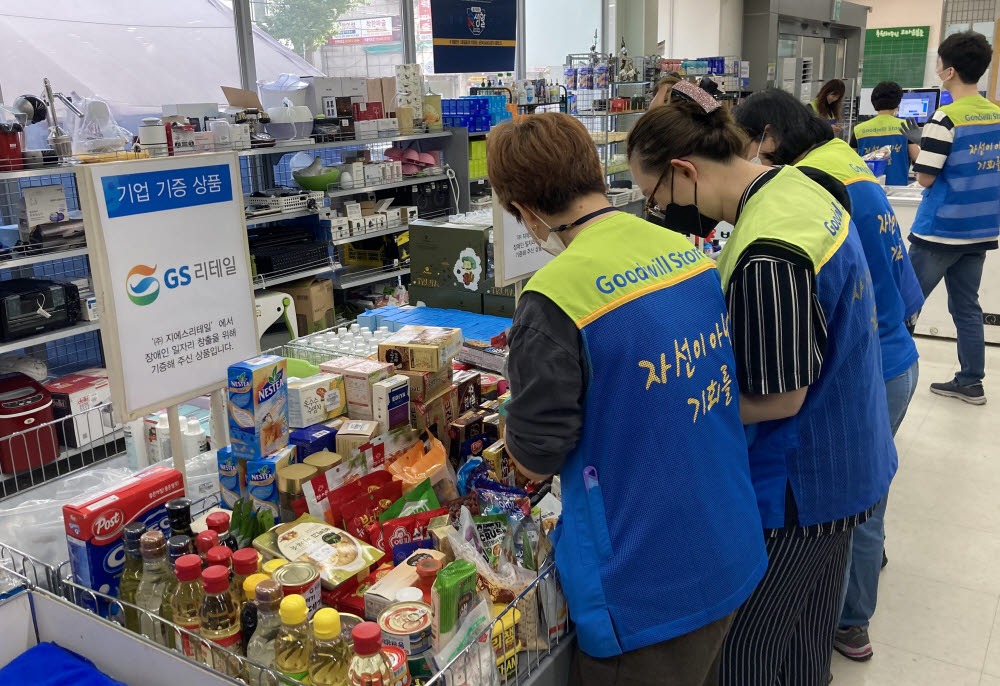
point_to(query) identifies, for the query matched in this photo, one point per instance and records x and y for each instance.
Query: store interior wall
(888, 13)
(556, 28)
(700, 29)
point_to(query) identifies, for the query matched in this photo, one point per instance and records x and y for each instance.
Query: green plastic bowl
(320, 182)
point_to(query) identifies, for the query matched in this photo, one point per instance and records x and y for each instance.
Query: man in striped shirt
(959, 217)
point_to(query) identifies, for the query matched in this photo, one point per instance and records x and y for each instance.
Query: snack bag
(365, 510)
(497, 498)
(420, 499)
(408, 529)
(492, 530)
(426, 460)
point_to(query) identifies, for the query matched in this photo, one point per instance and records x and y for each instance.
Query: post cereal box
(258, 406)
(94, 525)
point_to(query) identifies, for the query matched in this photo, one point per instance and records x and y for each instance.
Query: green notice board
(895, 54)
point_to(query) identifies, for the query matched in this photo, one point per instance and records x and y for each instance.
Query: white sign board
(168, 249)
(516, 254)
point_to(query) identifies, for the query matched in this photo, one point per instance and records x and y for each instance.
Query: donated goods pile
(379, 526)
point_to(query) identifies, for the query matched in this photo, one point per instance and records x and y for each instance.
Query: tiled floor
(938, 618)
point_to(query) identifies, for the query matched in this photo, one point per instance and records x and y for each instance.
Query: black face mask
(686, 218)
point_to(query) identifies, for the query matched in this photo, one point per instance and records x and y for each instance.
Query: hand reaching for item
(912, 132)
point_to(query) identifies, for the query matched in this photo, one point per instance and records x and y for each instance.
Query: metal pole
(406, 18)
(177, 442)
(520, 52)
(243, 24)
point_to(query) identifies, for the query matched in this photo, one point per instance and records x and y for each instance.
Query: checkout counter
(935, 320)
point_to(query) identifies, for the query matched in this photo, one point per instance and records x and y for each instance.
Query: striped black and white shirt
(779, 329)
(936, 142)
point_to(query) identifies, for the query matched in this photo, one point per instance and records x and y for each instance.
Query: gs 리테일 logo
(141, 287)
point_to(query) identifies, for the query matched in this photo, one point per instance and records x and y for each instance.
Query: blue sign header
(473, 35)
(156, 191)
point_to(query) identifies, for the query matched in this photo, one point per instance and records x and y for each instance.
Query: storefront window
(332, 37)
(138, 56)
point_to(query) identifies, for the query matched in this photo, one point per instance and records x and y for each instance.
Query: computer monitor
(865, 107)
(918, 104)
(946, 98)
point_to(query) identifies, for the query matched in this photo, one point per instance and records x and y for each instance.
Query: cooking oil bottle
(185, 602)
(132, 573)
(245, 563)
(261, 647)
(153, 586)
(330, 656)
(293, 642)
(248, 613)
(219, 621)
(369, 666)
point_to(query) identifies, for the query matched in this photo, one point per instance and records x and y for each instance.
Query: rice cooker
(27, 436)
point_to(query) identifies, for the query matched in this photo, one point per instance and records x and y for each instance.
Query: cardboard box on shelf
(391, 402)
(75, 394)
(447, 299)
(388, 94)
(366, 111)
(421, 348)
(424, 385)
(358, 379)
(436, 414)
(313, 299)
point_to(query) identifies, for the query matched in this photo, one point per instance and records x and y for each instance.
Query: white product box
(392, 217)
(75, 394)
(391, 402)
(397, 170)
(88, 308)
(353, 209)
(371, 223)
(386, 172)
(315, 399)
(410, 213)
(321, 87)
(353, 87)
(366, 128)
(380, 221)
(358, 226)
(373, 174)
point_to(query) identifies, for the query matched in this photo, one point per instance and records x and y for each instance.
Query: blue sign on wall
(156, 191)
(473, 35)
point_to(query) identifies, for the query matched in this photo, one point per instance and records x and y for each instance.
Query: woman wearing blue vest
(804, 327)
(785, 132)
(626, 389)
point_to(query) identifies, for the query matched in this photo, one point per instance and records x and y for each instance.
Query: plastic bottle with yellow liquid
(248, 612)
(220, 621)
(153, 587)
(185, 602)
(132, 573)
(330, 656)
(293, 643)
(268, 598)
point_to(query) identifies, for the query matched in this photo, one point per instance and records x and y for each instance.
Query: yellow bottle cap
(271, 565)
(326, 624)
(293, 609)
(250, 584)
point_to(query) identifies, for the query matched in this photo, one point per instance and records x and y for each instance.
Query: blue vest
(836, 454)
(963, 204)
(660, 533)
(888, 261)
(878, 132)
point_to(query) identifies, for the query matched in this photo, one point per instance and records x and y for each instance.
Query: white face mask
(756, 158)
(553, 245)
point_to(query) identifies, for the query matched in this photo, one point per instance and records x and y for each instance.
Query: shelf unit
(49, 336)
(353, 276)
(265, 281)
(373, 234)
(412, 181)
(354, 143)
(24, 258)
(281, 216)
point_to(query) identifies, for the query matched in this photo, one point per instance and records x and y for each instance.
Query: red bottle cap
(218, 522)
(187, 567)
(220, 555)
(216, 579)
(367, 637)
(205, 541)
(245, 561)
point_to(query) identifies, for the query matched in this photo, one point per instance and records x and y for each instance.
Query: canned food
(397, 660)
(300, 578)
(407, 625)
(347, 624)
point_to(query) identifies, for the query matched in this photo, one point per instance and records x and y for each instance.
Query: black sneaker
(853, 643)
(972, 394)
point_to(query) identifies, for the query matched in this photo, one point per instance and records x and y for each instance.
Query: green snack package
(420, 499)
(491, 530)
(452, 596)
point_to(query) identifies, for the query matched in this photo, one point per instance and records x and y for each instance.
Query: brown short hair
(543, 161)
(681, 128)
(668, 81)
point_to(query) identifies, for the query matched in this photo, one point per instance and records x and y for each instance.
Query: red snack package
(363, 511)
(375, 536)
(340, 497)
(375, 480)
(410, 528)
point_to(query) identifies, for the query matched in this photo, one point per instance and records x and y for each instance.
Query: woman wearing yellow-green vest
(804, 327)
(621, 374)
(885, 129)
(789, 133)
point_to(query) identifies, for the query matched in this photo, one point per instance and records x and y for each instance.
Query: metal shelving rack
(602, 123)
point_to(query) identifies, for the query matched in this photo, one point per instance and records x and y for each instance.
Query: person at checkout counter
(821, 450)
(885, 129)
(789, 133)
(611, 386)
(829, 103)
(958, 220)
